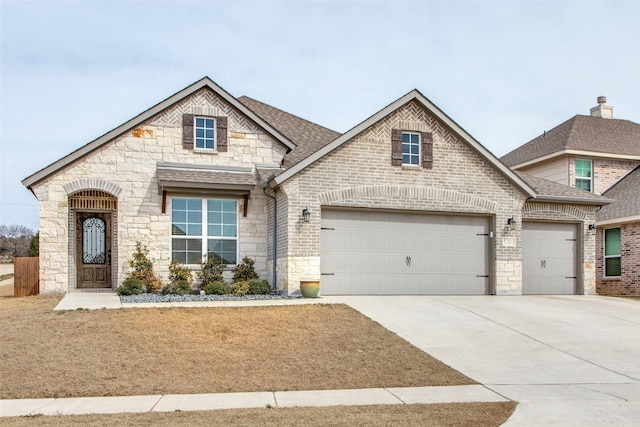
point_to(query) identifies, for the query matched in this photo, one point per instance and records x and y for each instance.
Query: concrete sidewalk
(279, 399)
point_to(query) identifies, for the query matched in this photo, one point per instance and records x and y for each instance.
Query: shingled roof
(309, 137)
(553, 192)
(627, 193)
(581, 133)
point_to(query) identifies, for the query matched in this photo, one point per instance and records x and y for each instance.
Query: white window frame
(575, 172)
(203, 237)
(204, 148)
(605, 257)
(411, 155)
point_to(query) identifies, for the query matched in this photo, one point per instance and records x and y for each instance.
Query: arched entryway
(92, 220)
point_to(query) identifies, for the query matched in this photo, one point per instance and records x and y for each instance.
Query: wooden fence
(26, 276)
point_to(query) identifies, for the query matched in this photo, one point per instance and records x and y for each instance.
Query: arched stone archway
(92, 239)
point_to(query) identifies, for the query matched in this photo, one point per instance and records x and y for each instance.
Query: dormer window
(205, 128)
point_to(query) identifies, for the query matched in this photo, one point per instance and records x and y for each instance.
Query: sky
(505, 71)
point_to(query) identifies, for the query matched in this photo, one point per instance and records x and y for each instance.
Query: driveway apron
(568, 360)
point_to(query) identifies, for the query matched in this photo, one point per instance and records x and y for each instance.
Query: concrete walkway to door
(568, 360)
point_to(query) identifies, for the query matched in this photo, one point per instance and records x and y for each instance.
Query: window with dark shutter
(396, 147)
(427, 149)
(187, 131)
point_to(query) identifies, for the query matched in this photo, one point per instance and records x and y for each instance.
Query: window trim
(204, 237)
(588, 179)
(205, 149)
(418, 156)
(606, 257)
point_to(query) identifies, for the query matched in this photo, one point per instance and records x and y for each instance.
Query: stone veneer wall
(360, 174)
(629, 283)
(128, 163)
(579, 214)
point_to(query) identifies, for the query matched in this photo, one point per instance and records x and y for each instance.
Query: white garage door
(549, 258)
(382, 253)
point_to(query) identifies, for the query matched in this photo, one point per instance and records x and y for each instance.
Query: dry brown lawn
(458, 414)
(202, 350)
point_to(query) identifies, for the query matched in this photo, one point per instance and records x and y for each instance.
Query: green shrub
(245, 271)
(178, 287)
(240, 288)
(217, 287)
(179, 273)
(130, 286)
(258, 287)
(211, 272)
(143, 269)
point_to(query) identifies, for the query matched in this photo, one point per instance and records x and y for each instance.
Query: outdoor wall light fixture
(592, 228)
(512, 222)
(306, 214)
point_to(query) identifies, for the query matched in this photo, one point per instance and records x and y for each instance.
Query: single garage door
(549, 254)
(384, 253)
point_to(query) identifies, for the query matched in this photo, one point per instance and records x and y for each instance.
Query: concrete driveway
(568, 360)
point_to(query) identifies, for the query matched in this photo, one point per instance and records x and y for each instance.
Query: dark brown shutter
(187, 131)
(396, 147)
(427, 149)
(221, 133)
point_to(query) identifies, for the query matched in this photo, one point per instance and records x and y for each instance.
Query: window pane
(583, 168)
(229, 231)
(225, 250)
(199, 122)
(209, 133)
(405, 137)
(209, 123)
(415, 138)
(187, 251)
(199, 133)
(583, 184)
(179, 204)
(406, 159)
(179, 229)
(222, 218)
(613, 267)
(186, 217)
(612, 242)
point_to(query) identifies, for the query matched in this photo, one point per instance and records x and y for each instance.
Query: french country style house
(405, 202)
(599, 154)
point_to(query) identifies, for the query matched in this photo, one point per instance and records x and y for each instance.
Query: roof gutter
(579, 201)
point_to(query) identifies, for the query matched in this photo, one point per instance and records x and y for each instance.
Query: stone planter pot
(309, 288)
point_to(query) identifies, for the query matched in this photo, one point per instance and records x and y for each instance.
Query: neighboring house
(406, 202)
(599, 154)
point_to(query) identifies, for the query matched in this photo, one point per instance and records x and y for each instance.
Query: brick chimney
(602, 109)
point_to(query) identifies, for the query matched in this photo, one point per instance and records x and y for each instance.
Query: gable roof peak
(204, 82)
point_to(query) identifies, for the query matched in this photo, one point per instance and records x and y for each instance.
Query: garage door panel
(390, 253)
(549, 258)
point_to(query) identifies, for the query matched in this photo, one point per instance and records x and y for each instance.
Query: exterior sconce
(306, 214)
(512, 222)
(592, 228)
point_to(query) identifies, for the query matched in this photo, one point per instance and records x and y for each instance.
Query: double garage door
(390, 253)
(387, 253)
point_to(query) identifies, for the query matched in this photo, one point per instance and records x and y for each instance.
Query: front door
(93, 243)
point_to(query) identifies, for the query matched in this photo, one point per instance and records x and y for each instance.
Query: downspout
(274, 286)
